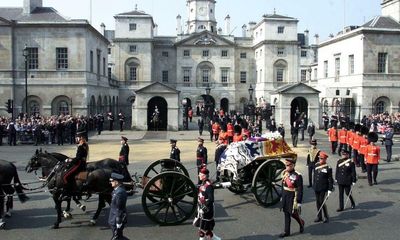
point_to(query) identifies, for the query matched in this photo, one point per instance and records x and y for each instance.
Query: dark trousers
(60, 139)
(388, 153)
(350, 149)
(302, 134)
(333, 146)
(117, 232)
(342, 189)
(288, 219)
(121, 125)
(320, 197)
(362, 162)
(12, 139)
(311, 167)
(355, 158)
(372, 171)
(342, 146)
(326, 126)
(295, 138)
(111, 127)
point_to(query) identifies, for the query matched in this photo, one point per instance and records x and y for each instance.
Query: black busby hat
(364, 130)
(357, 127)
(372, 137)
(172, 141)
(237, 129)
(351, 125)
(345, 152)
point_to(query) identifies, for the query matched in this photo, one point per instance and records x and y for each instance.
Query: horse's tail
(18, 187)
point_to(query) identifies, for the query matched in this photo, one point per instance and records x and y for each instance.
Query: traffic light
(9, 106)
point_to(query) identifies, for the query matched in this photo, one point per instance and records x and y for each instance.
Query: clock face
(202, 11)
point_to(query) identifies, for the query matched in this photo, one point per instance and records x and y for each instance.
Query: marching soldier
(216, 128)
(124, 152)
(356, 144)
(323, 185)
(201, 155)
(292, 196)
(372, 158)
(118, 217)
(342, 134)
(312, 158)
(350, 138)
(345, 177)
(333, 138)
(175, 152)
(362, 151)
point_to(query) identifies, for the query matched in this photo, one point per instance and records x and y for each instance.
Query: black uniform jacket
(124, 154)
(345, 171)
(81, 156)
(292, 187)
(313, 156)
(118, 206)
(201, 155)
(175, 154)
(206, 199)
(323, 180)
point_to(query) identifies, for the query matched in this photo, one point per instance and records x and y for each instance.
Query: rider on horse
(75, 165)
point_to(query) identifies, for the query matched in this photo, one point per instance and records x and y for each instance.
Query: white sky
(318, 16)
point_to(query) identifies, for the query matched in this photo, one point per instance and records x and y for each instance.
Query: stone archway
(298, 108)
(162, 107)
(224, 103)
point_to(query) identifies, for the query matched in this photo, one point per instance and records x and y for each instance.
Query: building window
(325, 69)
(243, 77)
(303, 75)
(186, 53)
(63, 108)
(281, 29)
(132, 26)
(351, 64)
(186, 77)
(164, 76)
(337, 68)
(34, 108)
(104, 66)
(132, 48)
(205, 75)
(315, 74)
(303, 53)
(98, 63)
(281, 51)
(261, 75)
(62, 58)
(33, 58)
(91, 61)
(165, 54)
(109, 73)
(380, 107)
(224, 77)
(224, 53)
(109, 50)
(205, 53)
(279, 74)
(243, 55)
(382, 62)
(133, 73)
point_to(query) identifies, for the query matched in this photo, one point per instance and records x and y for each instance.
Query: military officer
(388, 140)
(201, 155)
(345, 177)
(292, 196)
(124, 152)
(118, 217)
(175, 152)
(312, 158)
(372, 157)
(323, 185)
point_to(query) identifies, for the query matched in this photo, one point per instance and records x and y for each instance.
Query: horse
(97, 181)
(8, 171)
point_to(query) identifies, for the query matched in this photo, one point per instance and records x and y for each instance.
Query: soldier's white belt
(289, 189)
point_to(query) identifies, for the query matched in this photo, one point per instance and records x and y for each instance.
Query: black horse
(8, 171)
(97, 180)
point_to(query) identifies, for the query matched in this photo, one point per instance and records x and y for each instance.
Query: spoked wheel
(164, 165)
(169, 198)
(267, 182)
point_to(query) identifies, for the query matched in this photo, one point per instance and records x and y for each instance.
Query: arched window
(380, 107)
(63, 108)
(34, 107)
(280, 67)
(132, 67)
(382, 104)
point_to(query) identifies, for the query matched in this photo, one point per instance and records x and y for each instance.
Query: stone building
(66, 63)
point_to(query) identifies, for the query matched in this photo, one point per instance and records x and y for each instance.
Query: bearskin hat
(351, 125)
(357, 127)
(237, 128)
(372, 137)
(364, 130)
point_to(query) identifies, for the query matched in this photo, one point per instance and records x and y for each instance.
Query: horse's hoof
(8, 214)
(2, 225)
(56, 226)
(67, 214)
(92, 222)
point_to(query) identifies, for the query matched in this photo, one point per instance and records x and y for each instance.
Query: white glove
(119, 225)
(353, 183)
(226, 184)
(299, 205)
(329, 192)
(201, 211)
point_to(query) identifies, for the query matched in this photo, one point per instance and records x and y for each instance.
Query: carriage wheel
(158, 166)
(267, 182)
(169, 198)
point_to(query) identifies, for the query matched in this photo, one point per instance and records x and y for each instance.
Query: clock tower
(201, 16)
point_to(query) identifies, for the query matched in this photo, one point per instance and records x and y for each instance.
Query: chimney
(306, 37)
(30, 5)
(251, 28)
(219, 31)
(155, 30)
(227, 25)
(103, 29)
(178, 25)
(316, 36)
(244, 30)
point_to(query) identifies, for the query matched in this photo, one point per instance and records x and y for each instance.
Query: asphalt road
(237, 216)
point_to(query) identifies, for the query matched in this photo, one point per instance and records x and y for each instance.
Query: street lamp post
(208, 90)
(250, 106)
(185, 114)
(25, 53)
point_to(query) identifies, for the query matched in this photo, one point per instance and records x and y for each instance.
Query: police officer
(292, 196)
(201, 155)
(312, 158)
(388, 140)
(124, 152)
(175, 152)
(323, 185)
(345, 177)
(205, 206)
(372, 158)
(118, 217)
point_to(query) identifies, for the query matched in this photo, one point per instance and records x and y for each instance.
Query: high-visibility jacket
(356, 141)
(363, 146)
(342, 134)
(229, 129)
(373, 154)
(332, 134)
(350, 135)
